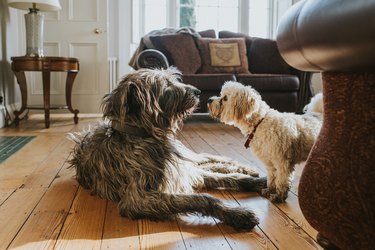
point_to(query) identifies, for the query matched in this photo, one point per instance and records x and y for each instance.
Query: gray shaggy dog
(133, 157)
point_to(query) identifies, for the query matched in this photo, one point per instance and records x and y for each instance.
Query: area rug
(11, 144)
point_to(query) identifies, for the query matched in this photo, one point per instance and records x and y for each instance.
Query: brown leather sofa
(281, 86)
(337, 185)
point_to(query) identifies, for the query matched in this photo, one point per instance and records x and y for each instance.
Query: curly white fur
(280, 141)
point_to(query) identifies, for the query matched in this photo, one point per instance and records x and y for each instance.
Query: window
(259, 18)
(253, 17)
(147, 15)
(187, 13)
(209, 14)
(155, 15)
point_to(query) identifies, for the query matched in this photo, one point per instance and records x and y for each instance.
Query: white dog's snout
(210, 100)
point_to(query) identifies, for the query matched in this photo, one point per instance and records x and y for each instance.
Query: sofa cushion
(270, 82)
(230, 34)
(265, 58)
(262, 54)
(207, 81)
(208, 33)
(180, 50)
(223, 55)
(281, 101)
(278, 91)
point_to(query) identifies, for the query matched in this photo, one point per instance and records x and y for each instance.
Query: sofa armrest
(305, 90)
(152, 58)
(265, 58)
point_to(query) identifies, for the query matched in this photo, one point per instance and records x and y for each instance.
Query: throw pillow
(208, 33)
(226, 55)
(264, 56)
(248, 41)
(180, 50)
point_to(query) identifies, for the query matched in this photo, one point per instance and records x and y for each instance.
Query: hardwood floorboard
(256, 238)
(202, 233)
(119, 233)
(22, 164)
(291, 208)
(15, 211)
(83, 227)
(160, 235)
(43, 207)
(213, 134)
(43, 227)
(5, 194)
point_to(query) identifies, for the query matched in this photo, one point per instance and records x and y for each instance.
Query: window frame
(127, 43)
(173, 17)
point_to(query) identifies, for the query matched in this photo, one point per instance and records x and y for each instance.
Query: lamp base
(34, 33)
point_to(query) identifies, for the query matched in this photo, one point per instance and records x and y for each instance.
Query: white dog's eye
(225, 98)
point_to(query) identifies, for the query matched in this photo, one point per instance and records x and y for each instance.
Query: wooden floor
(42, 206)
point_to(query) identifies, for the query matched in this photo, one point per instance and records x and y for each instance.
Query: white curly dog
(279, 140)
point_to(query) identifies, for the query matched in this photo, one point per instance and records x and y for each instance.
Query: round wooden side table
(46, 65)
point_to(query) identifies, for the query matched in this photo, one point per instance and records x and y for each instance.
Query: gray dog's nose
(197, 92)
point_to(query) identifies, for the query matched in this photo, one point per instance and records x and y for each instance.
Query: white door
(78, 30)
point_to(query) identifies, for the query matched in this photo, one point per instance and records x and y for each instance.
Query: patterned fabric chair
(337, 186)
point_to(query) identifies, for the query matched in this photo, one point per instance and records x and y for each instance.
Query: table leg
(21, 79)
(68, 94)
(46, 96)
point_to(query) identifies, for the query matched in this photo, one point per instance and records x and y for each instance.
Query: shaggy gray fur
(133, 157)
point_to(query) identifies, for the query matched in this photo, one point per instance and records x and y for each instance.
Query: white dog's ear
(242, 105)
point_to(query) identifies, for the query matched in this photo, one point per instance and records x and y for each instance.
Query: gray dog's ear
(135, 99)
(117, 103)
(111, 106)
(141, 100)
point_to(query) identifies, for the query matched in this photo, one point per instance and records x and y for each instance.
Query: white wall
(124, 35)
(113, 27)
(119, 33)
(10, 46)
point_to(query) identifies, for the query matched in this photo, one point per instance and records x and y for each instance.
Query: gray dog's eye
(225, 98)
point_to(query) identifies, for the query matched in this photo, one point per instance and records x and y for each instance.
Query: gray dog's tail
(75, 137)
(79, 137)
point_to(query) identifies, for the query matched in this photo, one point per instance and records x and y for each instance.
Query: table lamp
(34, 22)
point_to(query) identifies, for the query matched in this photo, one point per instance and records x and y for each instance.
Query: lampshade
(42, 5)
(34, 22)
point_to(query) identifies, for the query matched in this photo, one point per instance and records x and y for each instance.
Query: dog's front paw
(247, 170)
(240, 219)
(252, 184)
(265, 192)
(278, 198)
